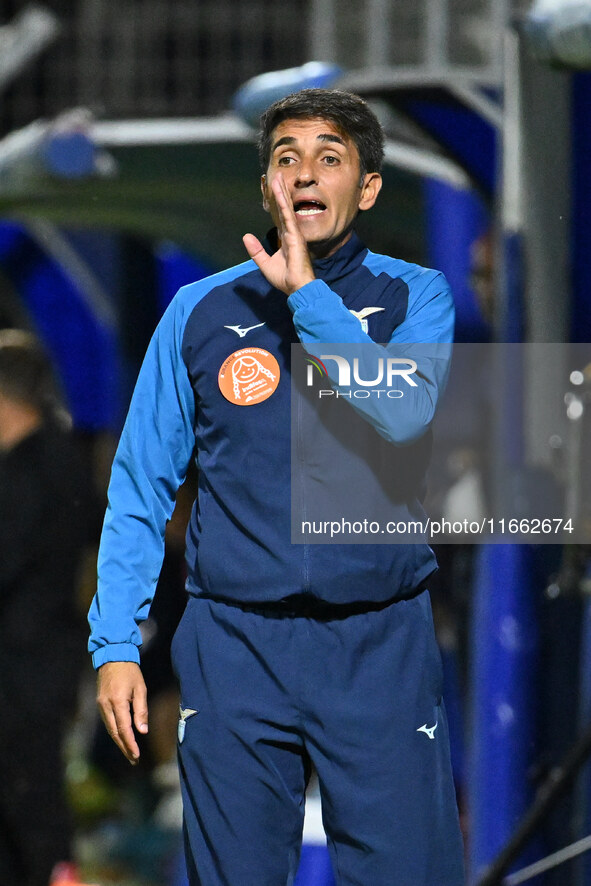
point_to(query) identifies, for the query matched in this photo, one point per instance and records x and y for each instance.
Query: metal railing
(147, 58)
(155, 58)
(433, 36)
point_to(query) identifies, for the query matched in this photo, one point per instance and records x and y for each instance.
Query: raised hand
(290, 267)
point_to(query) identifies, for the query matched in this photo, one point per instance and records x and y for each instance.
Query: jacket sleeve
(424, 337)
(151, 462)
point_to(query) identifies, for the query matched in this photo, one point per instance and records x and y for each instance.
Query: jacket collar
(342, 262)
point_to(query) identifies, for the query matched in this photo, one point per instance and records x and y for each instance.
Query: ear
(370, 188)
(265, 193)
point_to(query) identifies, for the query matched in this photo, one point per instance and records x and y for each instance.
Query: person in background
(45, 520)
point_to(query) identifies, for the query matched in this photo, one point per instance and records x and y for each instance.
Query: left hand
(290, 267)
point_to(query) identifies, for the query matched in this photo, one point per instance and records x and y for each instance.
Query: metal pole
(504, 631)
(557, 783)
(377, 50)
(23, 39)
(436, 25)
(322, 38)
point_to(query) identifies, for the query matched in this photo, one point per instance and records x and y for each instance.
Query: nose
(305, 175)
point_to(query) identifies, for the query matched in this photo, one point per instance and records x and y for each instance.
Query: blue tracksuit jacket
(238, 539)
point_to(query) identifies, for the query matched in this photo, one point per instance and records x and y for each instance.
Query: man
(288, 655)
(44, 524)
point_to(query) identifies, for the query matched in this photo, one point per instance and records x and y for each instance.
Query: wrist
(301, 282)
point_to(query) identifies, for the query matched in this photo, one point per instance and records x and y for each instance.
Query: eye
(285, 160)
(331, 160)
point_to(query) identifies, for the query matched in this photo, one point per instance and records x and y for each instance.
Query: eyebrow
(324, 137)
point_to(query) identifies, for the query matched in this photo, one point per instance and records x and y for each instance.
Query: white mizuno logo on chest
(242, 331)
(364, 313)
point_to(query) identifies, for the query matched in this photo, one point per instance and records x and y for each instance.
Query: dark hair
(346, 111)
(26, 374)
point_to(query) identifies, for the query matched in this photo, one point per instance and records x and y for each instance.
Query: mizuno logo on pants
(428, 730)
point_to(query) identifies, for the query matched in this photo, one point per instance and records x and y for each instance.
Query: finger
(125, 738)
(255, 249)
(284, 204)
(140, 708)
(110, 720)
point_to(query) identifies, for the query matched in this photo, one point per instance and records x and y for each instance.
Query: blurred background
(128, 168)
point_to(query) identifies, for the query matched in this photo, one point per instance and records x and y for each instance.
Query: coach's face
(321, 168)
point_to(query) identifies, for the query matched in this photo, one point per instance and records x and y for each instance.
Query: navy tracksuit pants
(359, 697)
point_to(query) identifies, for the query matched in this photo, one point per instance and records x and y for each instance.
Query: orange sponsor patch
(248, 376)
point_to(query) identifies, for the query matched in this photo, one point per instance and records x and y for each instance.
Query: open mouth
(308, 207)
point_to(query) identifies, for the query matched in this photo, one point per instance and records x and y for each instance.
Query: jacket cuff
(308, 295)
(116, 652)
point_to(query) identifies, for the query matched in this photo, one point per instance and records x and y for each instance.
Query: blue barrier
(503, 715)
